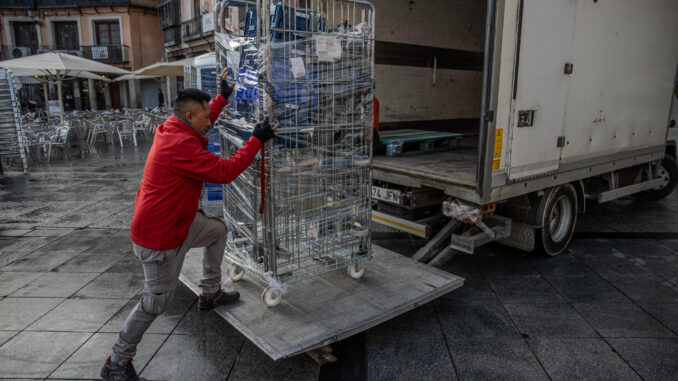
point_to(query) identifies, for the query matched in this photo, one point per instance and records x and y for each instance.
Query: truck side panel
(545, 46)
(625, 56)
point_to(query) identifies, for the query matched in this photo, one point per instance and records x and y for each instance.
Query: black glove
(226, 89)
(263, 132)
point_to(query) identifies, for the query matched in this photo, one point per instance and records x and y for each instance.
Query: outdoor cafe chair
(59, 139)
(125, 129)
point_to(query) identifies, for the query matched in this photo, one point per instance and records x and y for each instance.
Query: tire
(558, 218)
(669, 171)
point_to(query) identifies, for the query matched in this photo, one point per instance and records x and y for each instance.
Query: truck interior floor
(456, 167)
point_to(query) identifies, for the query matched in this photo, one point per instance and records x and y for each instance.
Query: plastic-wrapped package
(303, 207)
(463, 212)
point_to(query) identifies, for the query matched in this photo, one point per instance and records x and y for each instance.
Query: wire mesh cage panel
(303, 207)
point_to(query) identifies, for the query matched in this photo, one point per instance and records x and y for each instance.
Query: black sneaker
(124, 372)
(220, 298)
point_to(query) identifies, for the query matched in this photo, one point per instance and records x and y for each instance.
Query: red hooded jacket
(176, 167)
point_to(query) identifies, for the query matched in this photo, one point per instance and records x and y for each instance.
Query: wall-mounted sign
(207, 22)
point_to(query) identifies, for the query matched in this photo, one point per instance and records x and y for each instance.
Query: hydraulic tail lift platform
(320, 311)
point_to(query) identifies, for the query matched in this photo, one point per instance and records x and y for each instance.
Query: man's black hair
(186, 96)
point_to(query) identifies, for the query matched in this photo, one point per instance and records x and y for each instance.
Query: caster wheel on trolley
(356, 270)
(235, 272)
(271, 296)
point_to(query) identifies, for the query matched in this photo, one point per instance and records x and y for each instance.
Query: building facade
(188, 31)
(125, 34)
(187, 26)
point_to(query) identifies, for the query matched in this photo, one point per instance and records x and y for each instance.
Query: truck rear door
(544, 47)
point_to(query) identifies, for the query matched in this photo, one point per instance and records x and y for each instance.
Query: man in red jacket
(167, 222)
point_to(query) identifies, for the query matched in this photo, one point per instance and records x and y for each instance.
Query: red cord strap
(263, 179)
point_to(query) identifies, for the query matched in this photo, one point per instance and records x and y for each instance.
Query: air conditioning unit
(68, 51)
(20, 51)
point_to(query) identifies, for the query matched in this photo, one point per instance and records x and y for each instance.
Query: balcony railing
(8, 52)
(106, 53)
(192, 29)
(33, 4)
(169, 13)
(102, 53)
(172, 36)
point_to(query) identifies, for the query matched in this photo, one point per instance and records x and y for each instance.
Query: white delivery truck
(557, 100)
(573, 99)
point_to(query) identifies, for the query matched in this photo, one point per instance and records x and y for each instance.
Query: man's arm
(216, 106)
(199, 164)
(196, 163)
(221, 100)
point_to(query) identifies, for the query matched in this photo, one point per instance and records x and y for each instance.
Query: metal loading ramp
(319, 311)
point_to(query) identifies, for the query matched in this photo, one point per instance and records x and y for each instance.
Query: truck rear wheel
(668, 171)
(558, 218)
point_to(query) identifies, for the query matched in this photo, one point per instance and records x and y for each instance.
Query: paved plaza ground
(605, 309)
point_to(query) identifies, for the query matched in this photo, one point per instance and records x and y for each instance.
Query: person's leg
(210, 234)
(159, 285)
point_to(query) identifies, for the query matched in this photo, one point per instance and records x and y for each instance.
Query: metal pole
(61, 103)
(46, 93)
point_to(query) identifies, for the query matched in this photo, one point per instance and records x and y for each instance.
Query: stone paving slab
(665, 313)
(549, 320)
(581, 359)
(19, 313)
(55, 285)
(495, 359)
(6, 335)
(586, 288)
(49, 232)
(525, 289)
(38, 261)
(253, 364)
(653, 359)
(622, 320)
(78, 315)
(23, 244)
(87, 361)
(210, 357)
(118, 242)
(37, 354)
(418, 323)
(197, 322)
(12, 281)
(13, 232)
(113, 286)
(89, 262)
(78, 241)
(487, 320)
(408, 359)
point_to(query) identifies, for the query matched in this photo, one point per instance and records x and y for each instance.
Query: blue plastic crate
(289, 18)
(251, 23)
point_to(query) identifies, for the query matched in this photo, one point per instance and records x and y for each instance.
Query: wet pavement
(605, 309)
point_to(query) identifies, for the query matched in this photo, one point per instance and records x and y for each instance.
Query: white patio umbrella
(133, 75)
(162, 70)
(58, 67)
(165, 69)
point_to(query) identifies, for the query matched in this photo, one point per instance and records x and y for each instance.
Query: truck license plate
(385, 194)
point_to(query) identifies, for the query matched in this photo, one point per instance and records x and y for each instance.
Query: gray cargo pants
(161, 273)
